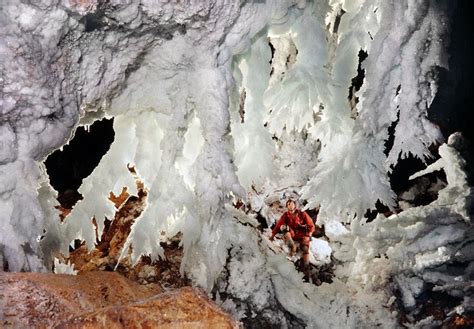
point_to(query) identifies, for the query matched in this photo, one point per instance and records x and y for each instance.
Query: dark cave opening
(391, 135)
(452, 106)
(404, 169)
(67, 168)
(427, 185)
(358, 80)
(94, 21)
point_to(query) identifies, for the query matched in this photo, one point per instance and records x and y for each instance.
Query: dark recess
(273, 55)
(93, 21)
(337, 21)
(273, 52)
(452, 109)
(391, 135)
(453, 105)
(67, 168)
(358, 80)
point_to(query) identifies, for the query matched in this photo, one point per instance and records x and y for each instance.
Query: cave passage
(452, 106)
(67, 168)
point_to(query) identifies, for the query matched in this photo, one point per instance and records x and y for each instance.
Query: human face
(291, 206)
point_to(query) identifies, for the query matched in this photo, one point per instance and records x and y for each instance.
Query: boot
(307, 272)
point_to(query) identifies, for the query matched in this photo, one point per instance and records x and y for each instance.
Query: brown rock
(39, 300)
(110, 244)
(119, 200)
(183, 308)
(101, 300)
(109, 247)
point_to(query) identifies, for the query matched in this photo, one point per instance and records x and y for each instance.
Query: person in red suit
(296, 225)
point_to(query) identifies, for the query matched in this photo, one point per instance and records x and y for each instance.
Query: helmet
(290, 200)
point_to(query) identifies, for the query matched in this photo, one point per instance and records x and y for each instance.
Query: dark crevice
(66, 169)
(407, 167)
(391, 135)
(243, 96)
(337, 21)
(93, 21)
(402, 170)
(103, 20)
(397, 92)
(380, 208)
(356, 82)
(6, 266)
(261, 220)
(272, 50)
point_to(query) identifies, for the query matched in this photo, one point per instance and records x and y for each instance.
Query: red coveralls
(300, 225)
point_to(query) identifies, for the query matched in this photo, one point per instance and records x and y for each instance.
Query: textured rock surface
(101, 299)
(184, 308)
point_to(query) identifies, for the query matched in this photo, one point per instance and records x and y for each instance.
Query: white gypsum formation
(213, 98)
